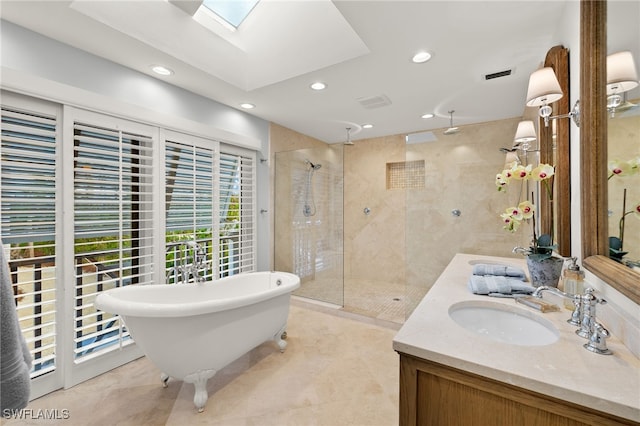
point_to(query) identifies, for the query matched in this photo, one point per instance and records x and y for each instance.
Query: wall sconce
(621, 77)
(525, 134)
(544, 89)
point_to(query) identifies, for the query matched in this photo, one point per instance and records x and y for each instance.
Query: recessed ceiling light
(367, 126)
(318, 85)
(159, 69)
(427, 115)
(247, 106)
(421, 57)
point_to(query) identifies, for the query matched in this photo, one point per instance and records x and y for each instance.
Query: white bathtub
(190, 331)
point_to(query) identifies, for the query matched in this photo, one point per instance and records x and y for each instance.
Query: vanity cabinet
(438, 395)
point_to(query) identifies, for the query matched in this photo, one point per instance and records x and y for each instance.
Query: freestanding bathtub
(191, 331)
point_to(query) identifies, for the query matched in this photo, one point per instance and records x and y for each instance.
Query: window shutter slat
(28, 213)
(113, 226)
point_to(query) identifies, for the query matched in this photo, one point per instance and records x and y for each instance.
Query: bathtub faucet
(198, 264)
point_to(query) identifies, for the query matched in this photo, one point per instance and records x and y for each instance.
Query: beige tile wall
(374, 243)
(461, 169)
(282, 139)
(410, 235)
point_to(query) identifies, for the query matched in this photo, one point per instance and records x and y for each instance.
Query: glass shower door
(309, 221)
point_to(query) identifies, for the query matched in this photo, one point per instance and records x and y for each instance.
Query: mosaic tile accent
(406, 175)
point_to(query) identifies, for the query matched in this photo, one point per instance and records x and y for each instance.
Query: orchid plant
(541, 247)
(624, 168)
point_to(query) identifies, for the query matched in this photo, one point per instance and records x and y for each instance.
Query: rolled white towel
(500, 270)
(498, 285)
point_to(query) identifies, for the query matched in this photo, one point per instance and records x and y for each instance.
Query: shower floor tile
(383, 300)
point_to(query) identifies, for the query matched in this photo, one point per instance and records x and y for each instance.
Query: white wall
(36, 65)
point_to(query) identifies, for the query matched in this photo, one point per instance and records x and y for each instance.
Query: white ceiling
(360, 49)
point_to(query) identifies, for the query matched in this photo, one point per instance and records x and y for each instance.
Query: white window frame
(52, 380)
(77, 372)
(220, 150)
(68, 373)
(249, 249)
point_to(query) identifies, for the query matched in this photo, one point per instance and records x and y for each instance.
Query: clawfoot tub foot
(199, 380)
(165, 379)
(279, 338)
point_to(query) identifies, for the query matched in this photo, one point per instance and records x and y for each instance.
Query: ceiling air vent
(497, 74)
(374, 101)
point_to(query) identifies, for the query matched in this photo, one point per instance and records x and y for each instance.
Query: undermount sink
(504, 323)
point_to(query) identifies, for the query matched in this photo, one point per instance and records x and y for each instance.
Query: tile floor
(389, 301)
(339, 369)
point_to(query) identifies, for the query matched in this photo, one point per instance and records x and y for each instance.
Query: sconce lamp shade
(621, 73)
(544, 88)
(526, 132)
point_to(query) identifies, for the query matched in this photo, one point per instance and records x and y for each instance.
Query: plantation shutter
(28, 212)
(189, 174)
(237, 211)
(113, 230)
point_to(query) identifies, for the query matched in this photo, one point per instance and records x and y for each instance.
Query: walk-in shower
(309, 208)
(308, 220)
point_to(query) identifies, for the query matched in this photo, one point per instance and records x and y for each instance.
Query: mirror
(554, 149)
(593, 149)
(623, 136)
(623, 148)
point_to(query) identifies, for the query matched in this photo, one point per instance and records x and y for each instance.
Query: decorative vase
(545, 272)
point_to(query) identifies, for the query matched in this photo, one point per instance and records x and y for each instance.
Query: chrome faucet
(589, 327)
(577, 312)
(576, 316)
(538, 292)
(198, 264)
(597, 342)
(584, 316)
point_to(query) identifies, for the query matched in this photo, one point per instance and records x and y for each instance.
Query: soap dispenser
(573, 282)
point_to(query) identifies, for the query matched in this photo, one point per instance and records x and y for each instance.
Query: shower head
(349, 141)
(313, 166)
(514, 148)
(451, 130)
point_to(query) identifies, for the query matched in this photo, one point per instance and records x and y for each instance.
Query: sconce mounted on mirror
(544, 89)
(621, 77)
(525, 134)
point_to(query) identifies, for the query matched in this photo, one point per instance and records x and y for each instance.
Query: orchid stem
(621, 224)
(535, 237)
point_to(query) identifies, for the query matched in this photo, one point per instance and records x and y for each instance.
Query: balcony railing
(28, 292)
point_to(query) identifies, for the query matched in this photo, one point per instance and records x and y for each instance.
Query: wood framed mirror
(593, 149)
(554, 149)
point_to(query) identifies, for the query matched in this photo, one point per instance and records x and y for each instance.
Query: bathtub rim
(113, 301)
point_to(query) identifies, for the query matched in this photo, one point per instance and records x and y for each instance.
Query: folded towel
(15, 359)
(501, 270)
(496, 285)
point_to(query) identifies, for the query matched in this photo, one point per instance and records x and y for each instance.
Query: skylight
(231, 11)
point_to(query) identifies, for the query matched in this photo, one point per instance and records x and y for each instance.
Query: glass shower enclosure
(309, 225)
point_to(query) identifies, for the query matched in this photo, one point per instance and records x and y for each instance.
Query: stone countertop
(563, 369)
